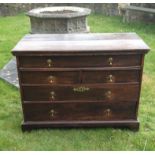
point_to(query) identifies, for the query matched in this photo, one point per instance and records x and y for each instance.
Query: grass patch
(11, 137)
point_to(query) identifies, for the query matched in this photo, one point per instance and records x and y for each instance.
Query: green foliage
(11, 137)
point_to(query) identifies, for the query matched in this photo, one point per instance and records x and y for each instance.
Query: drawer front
(107, 93)
(52, 77)
(80, 61)
(112, 76)
(79, 111)
(75, 77)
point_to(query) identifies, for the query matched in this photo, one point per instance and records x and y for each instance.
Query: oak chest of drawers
(80, 80)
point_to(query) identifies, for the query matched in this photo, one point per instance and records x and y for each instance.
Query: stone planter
(59, 20)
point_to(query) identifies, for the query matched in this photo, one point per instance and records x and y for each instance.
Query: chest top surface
(66, 43)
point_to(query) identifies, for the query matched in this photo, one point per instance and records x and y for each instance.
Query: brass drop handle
(107, 112)
(51, 79)
(110, 78)
(52, 95)
(52, 113)
(49, 62)
(110, 60)
(108, 94)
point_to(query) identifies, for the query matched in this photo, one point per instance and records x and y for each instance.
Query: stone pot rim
(78, 11)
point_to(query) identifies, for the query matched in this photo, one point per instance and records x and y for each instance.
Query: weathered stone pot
(59, 20)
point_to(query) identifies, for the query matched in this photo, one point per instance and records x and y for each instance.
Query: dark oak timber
(80, 61)
(119, 92)
(80, 80)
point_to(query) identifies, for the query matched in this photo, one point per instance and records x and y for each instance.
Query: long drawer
(75, 77)
(79, 61)
(79, 111)
(110, 92)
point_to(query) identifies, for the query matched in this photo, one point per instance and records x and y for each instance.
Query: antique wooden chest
(80, 80)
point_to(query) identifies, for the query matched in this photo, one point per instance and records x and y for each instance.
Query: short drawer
(49, 77)
(79, 61)
(79, 111)
(109, 93)
(110, 76)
